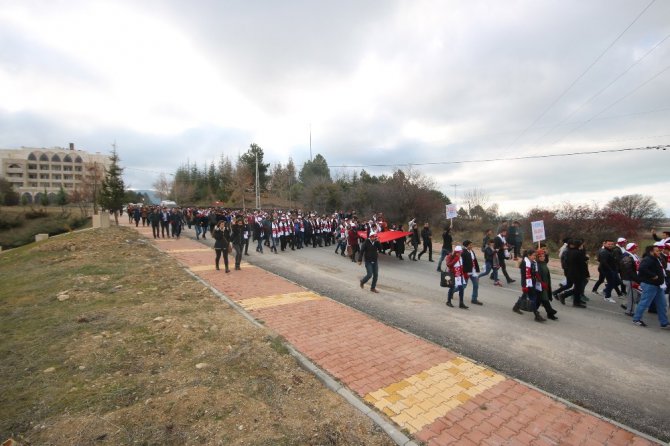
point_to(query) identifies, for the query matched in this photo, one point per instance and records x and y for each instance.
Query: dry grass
(115, 361)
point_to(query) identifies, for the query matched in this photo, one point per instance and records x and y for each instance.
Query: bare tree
(475, 198)
(636, 206)
(89, 189)
(162, 186)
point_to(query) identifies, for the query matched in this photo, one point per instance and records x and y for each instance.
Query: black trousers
(219, 253)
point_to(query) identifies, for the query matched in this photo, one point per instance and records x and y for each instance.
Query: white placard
(538, 231)
(452, 211)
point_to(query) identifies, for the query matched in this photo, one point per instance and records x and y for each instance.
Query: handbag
(446, 279)
(349, 250)
(526, 304)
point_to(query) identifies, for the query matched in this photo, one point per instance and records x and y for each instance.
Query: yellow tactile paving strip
(419, 400)
(278, 299)
(199, 268)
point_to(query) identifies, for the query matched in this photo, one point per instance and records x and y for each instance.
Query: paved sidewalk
(435, 395)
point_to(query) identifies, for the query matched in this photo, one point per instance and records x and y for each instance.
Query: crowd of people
(642, 280)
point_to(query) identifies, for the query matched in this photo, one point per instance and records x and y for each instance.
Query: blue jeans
(475, 288)
(259, 248)
(652, 293)
(443, 255)
(612, 281)
(372, 269)
(460, 289)
(488, 269)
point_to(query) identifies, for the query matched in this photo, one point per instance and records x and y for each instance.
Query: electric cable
(581, 75)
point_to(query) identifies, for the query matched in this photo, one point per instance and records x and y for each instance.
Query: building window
(44, 176)
(44, 157)
(32, 184)
(68, 185)
(32, 157)
(32, 176)
(67, 177)
(55, 167)
(18, 184)
(55, 176)
(44, 167)
(55, 159)
(67, 168)
(78, 177)
(78, 160)
(32, 166)
(14, 166)
(44, 184)
(77, 168)
(67, 159)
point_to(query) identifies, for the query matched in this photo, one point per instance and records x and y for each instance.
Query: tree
(112, 189)
(636, 207)
(61, 198)
(476, 198)
(162, 186)
(44, 198)
(315, 170)
(249, 160)
(8, 196)
(90, 187)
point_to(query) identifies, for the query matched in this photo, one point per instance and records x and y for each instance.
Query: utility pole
(455, 196)
(258, 195)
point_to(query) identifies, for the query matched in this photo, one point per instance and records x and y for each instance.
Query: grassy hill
(105, 340)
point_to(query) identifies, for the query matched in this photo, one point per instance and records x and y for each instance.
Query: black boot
(517, 308)
(538, 317)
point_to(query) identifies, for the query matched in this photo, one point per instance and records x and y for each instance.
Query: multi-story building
(34, 171)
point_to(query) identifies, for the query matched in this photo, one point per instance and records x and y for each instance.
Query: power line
(630, 67)
(581, 75)
(613, 103)
(515, 158)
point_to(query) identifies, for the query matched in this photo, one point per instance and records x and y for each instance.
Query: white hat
(660, 244)
(373, 233)
(458, 248)
(631, 246)
(621, 240)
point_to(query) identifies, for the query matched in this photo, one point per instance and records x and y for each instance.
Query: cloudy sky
(394, 83)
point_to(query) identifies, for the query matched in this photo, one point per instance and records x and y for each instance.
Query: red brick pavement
(368, 356)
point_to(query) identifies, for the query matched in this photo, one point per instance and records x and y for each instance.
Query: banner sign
(538, 230)
(452, 211)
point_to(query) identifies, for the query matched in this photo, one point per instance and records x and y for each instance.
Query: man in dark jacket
(427, 239)
(502, 248)
(370, 251)
(577, 271)
(652, 282)
(608, 266)
(447, 242)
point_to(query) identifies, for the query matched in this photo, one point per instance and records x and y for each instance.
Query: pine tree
(113, 189)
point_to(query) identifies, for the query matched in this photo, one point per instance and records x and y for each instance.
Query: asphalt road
(595, 357)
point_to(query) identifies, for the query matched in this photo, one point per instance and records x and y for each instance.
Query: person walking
(630, 263)
(414, 239)
(652, 282)
(502, 249)
(427, 239)
(236, 237)
(446, 246)
(460, 280)
(471, 270)
(221, 236)
(370, 251)
(529, 285)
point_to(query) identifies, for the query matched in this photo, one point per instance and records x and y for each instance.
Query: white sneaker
(609, 299)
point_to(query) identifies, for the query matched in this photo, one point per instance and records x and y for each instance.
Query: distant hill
(153, 198)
